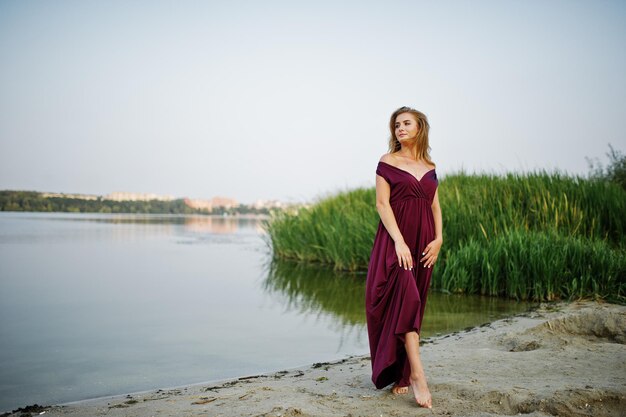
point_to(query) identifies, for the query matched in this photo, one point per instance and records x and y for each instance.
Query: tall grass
(483, 213)
(536, 266)
(337, 231)
(489, 206)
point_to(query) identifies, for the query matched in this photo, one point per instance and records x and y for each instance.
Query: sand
(566, 359)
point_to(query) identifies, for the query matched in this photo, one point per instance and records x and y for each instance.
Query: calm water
(94, 305)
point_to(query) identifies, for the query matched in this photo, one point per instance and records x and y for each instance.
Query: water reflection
(59, 227)
(320, 290)
(194, 222)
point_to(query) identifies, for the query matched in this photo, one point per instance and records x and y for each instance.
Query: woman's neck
(407, 151)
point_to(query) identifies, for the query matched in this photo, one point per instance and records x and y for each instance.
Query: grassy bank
(538, 236)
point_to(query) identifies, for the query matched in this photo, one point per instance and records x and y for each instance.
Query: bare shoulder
(388, 159)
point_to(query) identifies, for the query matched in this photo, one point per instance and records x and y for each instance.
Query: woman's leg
(418, 378)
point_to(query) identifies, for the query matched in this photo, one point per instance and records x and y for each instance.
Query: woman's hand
(431, 251)
(405, 260)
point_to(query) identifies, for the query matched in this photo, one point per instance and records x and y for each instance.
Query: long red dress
(395, 297)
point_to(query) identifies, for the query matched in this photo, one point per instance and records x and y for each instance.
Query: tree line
(35, 201)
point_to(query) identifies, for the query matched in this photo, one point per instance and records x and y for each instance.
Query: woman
(410, 228)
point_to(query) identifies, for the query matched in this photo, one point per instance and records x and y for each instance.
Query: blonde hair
(422, 148)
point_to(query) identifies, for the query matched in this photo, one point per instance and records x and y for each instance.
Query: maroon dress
(396, 298)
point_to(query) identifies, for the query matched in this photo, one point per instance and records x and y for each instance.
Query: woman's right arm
(383, 192)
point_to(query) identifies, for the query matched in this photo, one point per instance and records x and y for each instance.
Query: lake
(94, 305)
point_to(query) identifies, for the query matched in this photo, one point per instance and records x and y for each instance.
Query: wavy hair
(422, 148)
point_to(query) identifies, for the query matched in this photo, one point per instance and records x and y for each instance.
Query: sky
(291, 100)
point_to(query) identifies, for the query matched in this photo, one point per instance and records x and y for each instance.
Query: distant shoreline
(235, 215)
(34, 201)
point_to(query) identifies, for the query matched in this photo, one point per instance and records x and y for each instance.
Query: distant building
(224, 202)
(267, 204)
(199, 204)
(125, 196)
(211, 204)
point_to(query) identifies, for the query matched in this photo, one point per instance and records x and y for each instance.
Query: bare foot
(421, 392)
(396, 390)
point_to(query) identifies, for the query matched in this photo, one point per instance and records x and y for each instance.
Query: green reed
(536, 266)
(488, 206)
(337, 231)
(479, 211)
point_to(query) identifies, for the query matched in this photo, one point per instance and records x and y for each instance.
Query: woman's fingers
(406, 264)
(431, 261)
(430, 253)
(405, 260)
(428, 259)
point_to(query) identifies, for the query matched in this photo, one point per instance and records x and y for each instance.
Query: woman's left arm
(432, 249)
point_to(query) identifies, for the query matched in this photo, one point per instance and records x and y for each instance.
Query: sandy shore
(562, 359)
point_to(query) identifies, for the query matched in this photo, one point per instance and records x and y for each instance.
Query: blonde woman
(406, 247)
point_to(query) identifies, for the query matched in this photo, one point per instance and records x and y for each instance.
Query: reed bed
(482, 215)
(536, 266)
(488, 206)
(337, 231)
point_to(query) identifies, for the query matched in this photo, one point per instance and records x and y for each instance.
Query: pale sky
(291, 100)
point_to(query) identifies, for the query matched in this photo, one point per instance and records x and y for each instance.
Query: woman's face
(406, 126)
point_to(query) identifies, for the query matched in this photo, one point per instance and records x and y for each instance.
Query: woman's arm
(432, 249)
(437, 216)
(383, 191)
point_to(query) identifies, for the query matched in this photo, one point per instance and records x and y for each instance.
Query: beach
(565, 359)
